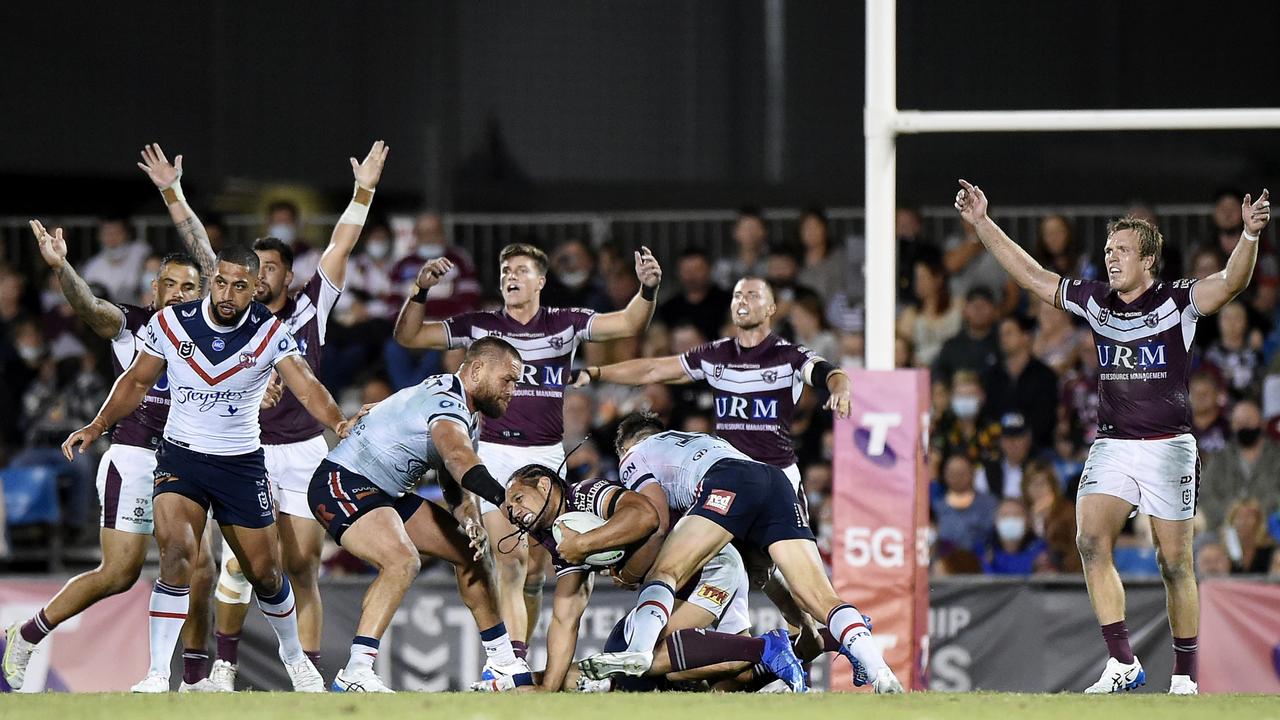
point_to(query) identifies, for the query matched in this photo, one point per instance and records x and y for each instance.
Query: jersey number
(685, 438)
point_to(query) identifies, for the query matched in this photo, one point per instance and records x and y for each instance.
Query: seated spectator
(1208, 426)
(852, 350)
(1235, 357)
(1020, 383)
(965, 428)
(1212, 561)
(1003, 479)
(934, 318)
(810, 329)
(1015, 549)
(969, 265)
(700, 302)
(751, 236)
(1246, 539)
(826, 268)
(782, 271)
(977, 346)
(1248, 467)
(913, 246)
(1057, 339)
(904, 353)
(965, 516)
(1057, 250)
(117, 267)
(1052, 516)
(573, 280)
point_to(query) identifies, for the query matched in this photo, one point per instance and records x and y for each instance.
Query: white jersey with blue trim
(392, 445)
(217, 375)
(677, 461)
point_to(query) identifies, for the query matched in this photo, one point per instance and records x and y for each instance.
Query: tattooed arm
(101, 316)
(167, 178)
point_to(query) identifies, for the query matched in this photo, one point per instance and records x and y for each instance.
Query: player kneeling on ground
(726, 496)
(362, 495)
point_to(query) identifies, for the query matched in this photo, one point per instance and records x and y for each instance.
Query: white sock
(848, 628)
(653, 610)
(278, 609)
(169, 605)
(497, 646)
(364, 650)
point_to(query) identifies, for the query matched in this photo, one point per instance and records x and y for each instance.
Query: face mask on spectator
(376, 249)
(1248, 437)
(429, 252)
(30, 353)
(116, 254)
(1011, 529)
(815, 500)
(964, 406)
(574, 279)
(283, 232)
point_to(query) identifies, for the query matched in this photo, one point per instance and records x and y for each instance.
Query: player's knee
(1175, 565)
(303, 570)
(405, 566)
(1093, 547)
(265, 579)
(119, 577)
(176, 558)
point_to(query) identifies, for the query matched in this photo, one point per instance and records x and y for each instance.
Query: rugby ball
(585, 522)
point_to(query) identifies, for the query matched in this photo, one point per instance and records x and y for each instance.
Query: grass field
(673, 706)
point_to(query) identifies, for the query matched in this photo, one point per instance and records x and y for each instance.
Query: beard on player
(232, 290)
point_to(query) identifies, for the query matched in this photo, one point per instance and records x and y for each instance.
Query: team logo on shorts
(714, 594)
(247, 360)
(218, 344)
(1187, 496)
(186, 349)
(720, 501)
(1103, 314)
(770, 375)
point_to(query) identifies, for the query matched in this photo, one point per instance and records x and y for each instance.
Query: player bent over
(637, 522)
(219, 354)
(727, 496)
(362, 494)
(1145, 456)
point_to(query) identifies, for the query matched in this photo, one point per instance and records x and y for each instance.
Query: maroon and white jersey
(305, 316)
(144, 426)
(1143, 355)
(756, 389)
(597, 496)
(546, 345)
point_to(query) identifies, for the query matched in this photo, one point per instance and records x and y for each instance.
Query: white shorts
(1159, 477)
(503, 460)
(722, 591)
(125, 482)
(289, 470)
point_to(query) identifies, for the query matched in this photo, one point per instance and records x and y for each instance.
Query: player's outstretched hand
(432, 271)
(275, 388)
(579, 378)
(647, 268)
(971, 202)
(1256, 214)
(52, 247)
(157, 166)
(344, 428)
(370, 171)
(477, 538)
(838, 403)
(83, 438)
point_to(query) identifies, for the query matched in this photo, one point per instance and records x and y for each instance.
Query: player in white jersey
(219, 354)
(725, 497)
(292, 441)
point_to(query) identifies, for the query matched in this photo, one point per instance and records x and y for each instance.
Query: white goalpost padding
(883, 122)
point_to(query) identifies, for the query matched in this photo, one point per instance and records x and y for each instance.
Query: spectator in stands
(810, 329)
(573, 280)
(1014, 549)
(118, 265)
(751, 236)
(1080, 392)
(1234, 355)
(852, 349)
(215, 228)
(698, 422)
(782, 270)
(1248, 467)
(369, 272)
(1209, 427)
(1246, 539)
(1021, 383)
(977, 346)
(826, 268)
(457, 292)
(700, 301)
(1057, 249)
(965, 516)
(965, 428)
(1057, 340)
(1227, 223)
(1003, 478)
(904, 353)
(1052, 516)
(934, 317)
(969, 265)
(1212, 561)
(913, 246)
(284, 222)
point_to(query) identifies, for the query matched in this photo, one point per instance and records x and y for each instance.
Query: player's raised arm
(461, 461)
(634, 318)
(104, 318)
(298, 377)
(345, 234)
(126, 395)
(823, 373)
(573, 591)
(168, 179)
(972, 204)
(642, 371)
(412, 329)
(1211, 293)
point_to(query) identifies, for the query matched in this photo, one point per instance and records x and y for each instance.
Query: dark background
(583, 104)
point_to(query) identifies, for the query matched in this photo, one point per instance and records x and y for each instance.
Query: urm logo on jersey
(551, 376)
(734, 406)
(1144, 357)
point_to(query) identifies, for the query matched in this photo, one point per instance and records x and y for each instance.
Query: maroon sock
(313, 656)
(693, 648)
(521, 649)
(829, 642)
(1184, 656)
(195, 665)
(228, 645)
(37, 628)
(1116, 635)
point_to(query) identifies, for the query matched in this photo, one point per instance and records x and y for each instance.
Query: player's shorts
(234, 487)
(289, 468)
(752, 501)
(503, 460)
(1159, 477)
(792, 472)
(340, 497)
(124, 488)
(721, 589)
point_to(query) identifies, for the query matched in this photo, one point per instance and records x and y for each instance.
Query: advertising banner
(1239, 636)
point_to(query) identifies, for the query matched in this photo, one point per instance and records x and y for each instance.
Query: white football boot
(886, 683)
(603, 665)
(304, 676)
(223, 675)
(17, 653)
(1183, 685)
(203, 685)
(152, 683)
(1119, 677)
(362, 680)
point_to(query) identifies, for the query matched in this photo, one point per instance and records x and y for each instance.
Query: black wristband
(648, 293)
(419, 297)
(820, 372)
(479, 481)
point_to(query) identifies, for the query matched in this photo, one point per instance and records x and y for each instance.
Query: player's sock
(829, 642)
(1116, 635)
(653, 610)
(1184, 656)
(364, 650)
(228, 646)
(168, 612)
(313, 656)
(37, 628)
(278, 609)
(848, 628)
(498, 646)
(195, 665)
(521, 649)
(694, 647)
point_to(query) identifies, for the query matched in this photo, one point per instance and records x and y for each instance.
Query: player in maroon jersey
(533, 428)
(1145, 457)
(124, 473)
(292, 440)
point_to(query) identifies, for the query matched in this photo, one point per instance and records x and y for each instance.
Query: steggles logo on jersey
(207, 400)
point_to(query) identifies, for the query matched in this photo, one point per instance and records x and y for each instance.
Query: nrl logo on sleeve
(186, 349)
(720, 501)
(719, 372)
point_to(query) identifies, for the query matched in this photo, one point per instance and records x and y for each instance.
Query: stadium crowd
(1014, 395)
